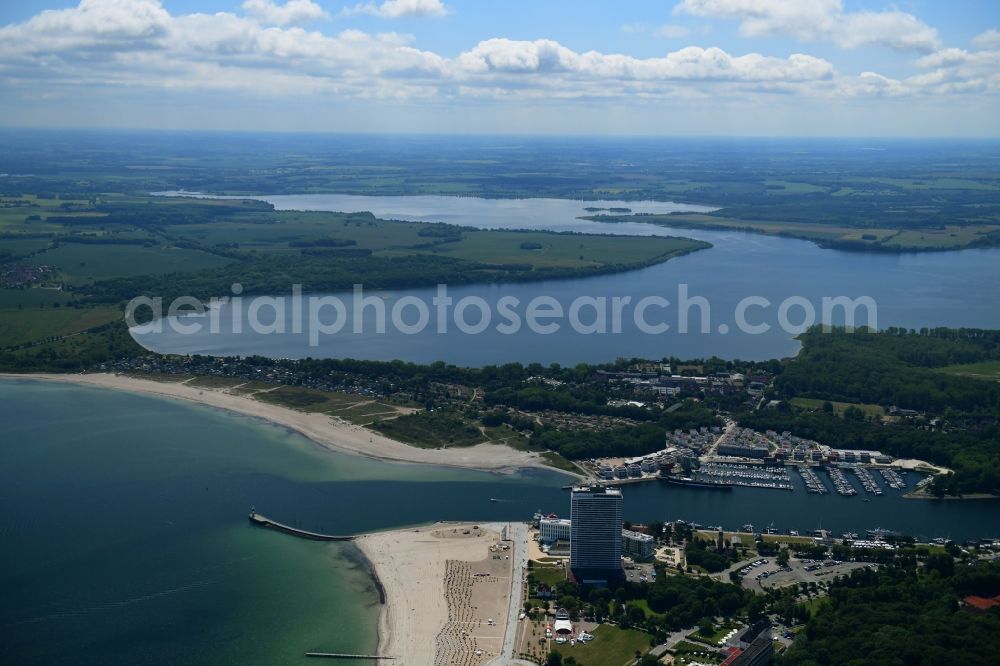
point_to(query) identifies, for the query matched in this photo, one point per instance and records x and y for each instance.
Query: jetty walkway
(264, 521)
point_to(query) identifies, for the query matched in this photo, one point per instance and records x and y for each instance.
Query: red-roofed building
(982, 603)
(734, 653)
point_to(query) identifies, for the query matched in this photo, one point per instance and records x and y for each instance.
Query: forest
(893, 616)
(895, 367)
(955, 418)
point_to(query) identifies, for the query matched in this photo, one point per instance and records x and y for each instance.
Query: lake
(125, 535)
(911, 289)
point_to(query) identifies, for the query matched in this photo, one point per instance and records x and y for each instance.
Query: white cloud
(947, 72)
(394, 9)
(989, 39)
(291, 13)
(543, 56)
(671, 31)
(958, 71)
(102, 24)
(815, 20)
(137, 45)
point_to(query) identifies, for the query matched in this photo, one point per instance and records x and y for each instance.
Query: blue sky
(681, 67)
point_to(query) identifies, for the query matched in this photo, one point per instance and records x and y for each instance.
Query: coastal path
(517, 533)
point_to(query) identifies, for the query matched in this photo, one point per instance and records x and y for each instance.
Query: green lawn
(813, 605)
(686, 652)
(644, 605)
(717, 635)
(611, 647)
(548, 575)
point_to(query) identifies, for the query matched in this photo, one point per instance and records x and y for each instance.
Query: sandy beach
(442, 585)
(331, 433)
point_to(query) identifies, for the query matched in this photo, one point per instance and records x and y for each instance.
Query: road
(726, 431)
(724, 575)
(518, 535)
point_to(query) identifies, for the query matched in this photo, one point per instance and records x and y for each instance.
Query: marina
(893, 478)
(867, 480)
(812, 481)
(713, 475)
(749, 476)
(714, 484)
(840, 482)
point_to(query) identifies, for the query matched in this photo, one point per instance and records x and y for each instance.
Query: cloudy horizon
(706, 67)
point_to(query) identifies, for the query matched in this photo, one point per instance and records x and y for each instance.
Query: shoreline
(322, 429)
(923, 495)
(409, 568)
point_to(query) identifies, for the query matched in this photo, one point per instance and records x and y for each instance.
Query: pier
(264, 521)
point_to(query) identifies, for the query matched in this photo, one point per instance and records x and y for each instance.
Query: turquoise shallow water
(125, 539)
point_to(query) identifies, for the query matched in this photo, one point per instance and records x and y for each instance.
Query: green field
(395, 239)
(839, 407)
(983, 370)
(884, 238)
(34, 324)
(21, 247)
(561, 250)
(611, 647)
(82, 263)
(17, 216)
(12, 299)
(948, 237)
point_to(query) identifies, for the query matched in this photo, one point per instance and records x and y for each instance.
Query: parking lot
(764, 573)
(639, 572)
